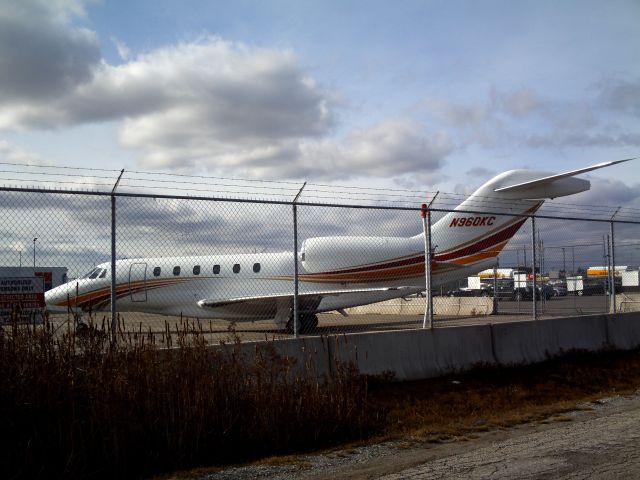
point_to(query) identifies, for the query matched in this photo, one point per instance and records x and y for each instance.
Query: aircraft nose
(56, 299)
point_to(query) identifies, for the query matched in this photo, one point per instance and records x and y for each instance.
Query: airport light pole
(34, 252)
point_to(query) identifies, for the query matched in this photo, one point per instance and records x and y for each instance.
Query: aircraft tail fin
(551, 186)
(480, 227)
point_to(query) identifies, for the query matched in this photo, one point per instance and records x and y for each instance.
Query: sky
(420, 96)
(412, 94)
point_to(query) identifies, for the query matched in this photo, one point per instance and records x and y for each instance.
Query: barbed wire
(274, 189)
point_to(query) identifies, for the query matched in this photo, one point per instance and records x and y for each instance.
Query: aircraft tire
(82, 329)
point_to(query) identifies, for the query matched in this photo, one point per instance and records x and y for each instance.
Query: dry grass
(488, 398)
(72, 407)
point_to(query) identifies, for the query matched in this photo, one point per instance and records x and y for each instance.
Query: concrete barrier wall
(623, 331)
(418, 354)
(537, 340)
(466, 306)
(306, 354)
(628, 302)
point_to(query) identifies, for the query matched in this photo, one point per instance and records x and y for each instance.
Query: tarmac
(216, 331)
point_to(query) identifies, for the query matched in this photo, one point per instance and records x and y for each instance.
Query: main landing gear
(307, 323)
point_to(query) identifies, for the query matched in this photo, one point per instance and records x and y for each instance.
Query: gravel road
(600, 440)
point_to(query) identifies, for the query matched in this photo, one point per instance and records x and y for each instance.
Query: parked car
(592, 287)
(483, 291)
(526, 293)
(547, 291)
(504, 289)
(559, 288)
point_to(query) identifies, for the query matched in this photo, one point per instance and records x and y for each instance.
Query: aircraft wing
(305, 296)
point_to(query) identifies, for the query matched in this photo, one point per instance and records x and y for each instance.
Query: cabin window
(256, 267)
(156, 271)
(236, 268)
(103, 273)
(216, 269)
(196, 270)
(176, 270)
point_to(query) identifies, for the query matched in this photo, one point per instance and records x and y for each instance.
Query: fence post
(495, 286)
(114, 310)
(295, 262)
(428, 309)
(533, 269)
(612, 276)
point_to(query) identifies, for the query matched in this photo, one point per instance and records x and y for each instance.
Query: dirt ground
(599, 440)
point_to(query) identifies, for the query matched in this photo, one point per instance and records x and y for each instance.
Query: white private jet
(334, 272)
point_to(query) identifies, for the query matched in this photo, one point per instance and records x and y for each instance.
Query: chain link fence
(265, 269)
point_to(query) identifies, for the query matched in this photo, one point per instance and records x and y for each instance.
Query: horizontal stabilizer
(545, 181)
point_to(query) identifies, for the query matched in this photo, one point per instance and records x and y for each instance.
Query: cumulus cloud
(606, 191)
(523, 117)
(480, 172)
(621, 95)
(41, 54)
(388, 149)
(207, 104)
(519, 103)
(123, 51)
(227, 90)
(12, 153)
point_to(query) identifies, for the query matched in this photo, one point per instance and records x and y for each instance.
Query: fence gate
(138, 282)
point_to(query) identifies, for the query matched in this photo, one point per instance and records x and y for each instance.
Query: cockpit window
(103, 273)
(92, 273)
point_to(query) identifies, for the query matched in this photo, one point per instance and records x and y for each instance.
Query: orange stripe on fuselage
(105, 292)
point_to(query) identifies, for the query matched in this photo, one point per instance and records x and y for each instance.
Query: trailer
(631, 278)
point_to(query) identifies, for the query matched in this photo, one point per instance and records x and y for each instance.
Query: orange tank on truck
(604, 271)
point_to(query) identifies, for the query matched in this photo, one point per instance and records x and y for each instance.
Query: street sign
(22, 297)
